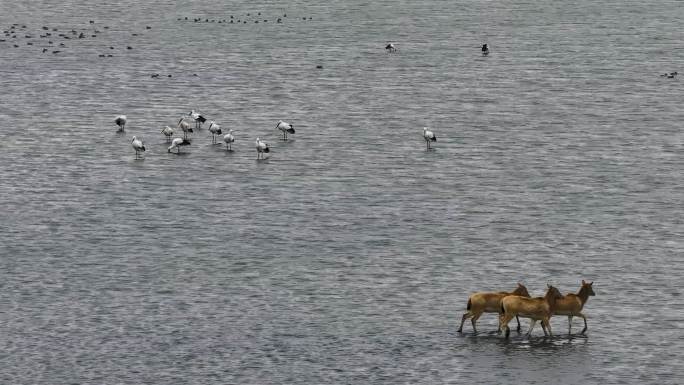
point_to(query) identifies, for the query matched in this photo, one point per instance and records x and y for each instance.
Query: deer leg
(532, 322)
(505, 319)
(518, 319)
(585, 323)
(569, 324)
(473, 320)
(543, 325)
(465, 317)
(548, 325)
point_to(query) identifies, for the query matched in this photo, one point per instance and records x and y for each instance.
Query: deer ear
(583, 283)
(591, 283)
(520, 284)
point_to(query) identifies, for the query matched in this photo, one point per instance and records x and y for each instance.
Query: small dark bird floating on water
(485, 50)
(391, 48)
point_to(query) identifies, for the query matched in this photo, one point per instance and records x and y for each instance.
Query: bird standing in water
(429, 136)
(138, 146)
(121, 122)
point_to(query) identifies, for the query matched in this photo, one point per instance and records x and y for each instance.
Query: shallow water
(348, 255)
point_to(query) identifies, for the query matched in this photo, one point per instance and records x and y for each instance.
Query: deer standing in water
(484, 302)
(572, 304)
(537, 309)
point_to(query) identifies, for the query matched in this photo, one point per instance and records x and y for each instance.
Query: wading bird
(177, 143)
(286, 128)
(215, 129)
(199, 119)
(261, 148)
(229, 139)
(429, 136)
(168, 132)
(138, 146)
(121, 122)
(183, 125)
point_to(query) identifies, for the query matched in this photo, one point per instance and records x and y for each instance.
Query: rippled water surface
(346, 256)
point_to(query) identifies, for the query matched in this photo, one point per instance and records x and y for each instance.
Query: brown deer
(537, 309)
(483, 302)
(571, 304)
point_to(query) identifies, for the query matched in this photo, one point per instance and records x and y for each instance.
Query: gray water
(346, 256)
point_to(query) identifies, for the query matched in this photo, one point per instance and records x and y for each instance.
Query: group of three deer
(518, 303)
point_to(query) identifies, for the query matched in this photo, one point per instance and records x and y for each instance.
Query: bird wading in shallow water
(138, 146)
(121, 122)
(286, 128)
(168, 132)
(177, 143)
(185, 127)
(429, 136)
(261, 148)
(229, 139)
(199, 119)
(215, 129)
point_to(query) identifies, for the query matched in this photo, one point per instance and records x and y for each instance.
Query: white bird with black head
(138, 146)
(429, 136)
(286, 128)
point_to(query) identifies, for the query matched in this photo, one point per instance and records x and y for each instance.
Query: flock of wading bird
(261, 146)
(215, 130)
(518, 303)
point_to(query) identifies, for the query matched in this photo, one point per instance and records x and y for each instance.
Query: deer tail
(469, 304)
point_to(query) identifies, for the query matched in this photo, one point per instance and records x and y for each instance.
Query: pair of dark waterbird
(391, 48)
